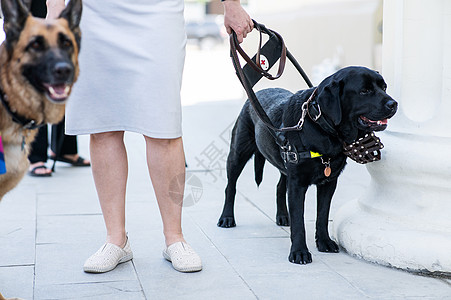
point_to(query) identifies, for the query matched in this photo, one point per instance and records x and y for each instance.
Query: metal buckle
(318, 108)
(290, 157)
(30, 125)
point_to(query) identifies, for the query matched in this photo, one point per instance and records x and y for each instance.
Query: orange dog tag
(327, 171)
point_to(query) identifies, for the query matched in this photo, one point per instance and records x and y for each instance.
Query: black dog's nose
(62, 70)
(391, 105)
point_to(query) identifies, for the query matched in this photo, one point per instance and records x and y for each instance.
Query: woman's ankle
(118, 240)
(173, 238)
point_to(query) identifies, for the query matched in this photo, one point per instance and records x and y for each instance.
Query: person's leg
(65, 146)
(38, 153)
(166, 163)
(110, 170)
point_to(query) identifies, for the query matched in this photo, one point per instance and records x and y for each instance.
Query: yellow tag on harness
(315, 154)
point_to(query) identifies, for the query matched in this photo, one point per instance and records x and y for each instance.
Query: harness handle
(257, 66)
(235, 48)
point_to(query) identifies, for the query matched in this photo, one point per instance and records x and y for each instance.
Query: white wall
(345, 32)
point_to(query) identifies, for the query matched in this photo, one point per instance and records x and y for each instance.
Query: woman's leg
(110, 170)
(166, 163)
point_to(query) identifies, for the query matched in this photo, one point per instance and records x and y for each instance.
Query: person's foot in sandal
(39, 169)
(73, 159)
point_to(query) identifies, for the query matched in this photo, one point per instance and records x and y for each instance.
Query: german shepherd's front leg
(324, 197)
(299, 253)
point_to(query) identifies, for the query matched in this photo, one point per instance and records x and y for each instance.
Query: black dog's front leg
(299, 253)
(324, 198)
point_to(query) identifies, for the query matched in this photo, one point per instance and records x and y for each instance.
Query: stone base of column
(404, 219)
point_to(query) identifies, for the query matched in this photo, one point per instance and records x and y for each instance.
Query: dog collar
(315, 114)
(24, 122)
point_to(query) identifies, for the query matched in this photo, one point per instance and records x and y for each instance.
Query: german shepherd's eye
(65, 42)
(37, 44)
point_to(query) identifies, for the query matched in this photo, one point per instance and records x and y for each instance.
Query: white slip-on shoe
(107, 258)
(183, 257)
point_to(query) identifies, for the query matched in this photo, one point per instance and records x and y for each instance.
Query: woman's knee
(107, 137)
(155, 142)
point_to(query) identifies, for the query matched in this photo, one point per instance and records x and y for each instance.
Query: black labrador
(347, 106)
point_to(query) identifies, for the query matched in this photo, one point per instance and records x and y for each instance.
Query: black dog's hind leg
(299, 253)
(282, 218)
(242, 148)
(324, 198)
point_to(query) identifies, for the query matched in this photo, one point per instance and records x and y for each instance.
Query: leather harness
(364, 150)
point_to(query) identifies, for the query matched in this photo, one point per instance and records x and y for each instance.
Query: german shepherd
(38, 67)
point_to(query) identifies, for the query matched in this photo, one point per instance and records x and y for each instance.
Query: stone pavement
(49, 226)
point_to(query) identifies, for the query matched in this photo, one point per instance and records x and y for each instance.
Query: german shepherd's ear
(15, 14)
(329, 99)
(72, 13)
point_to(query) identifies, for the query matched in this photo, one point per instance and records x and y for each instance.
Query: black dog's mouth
(57, 93)
(373, 125)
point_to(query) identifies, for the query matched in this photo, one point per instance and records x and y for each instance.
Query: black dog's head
(42, 53)
(354, 99)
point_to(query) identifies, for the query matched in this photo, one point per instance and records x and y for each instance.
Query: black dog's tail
(259, 163)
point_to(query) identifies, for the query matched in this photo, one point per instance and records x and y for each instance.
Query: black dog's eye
(384, 88)
(365, 91)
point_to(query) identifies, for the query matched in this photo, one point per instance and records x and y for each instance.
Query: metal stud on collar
(364, 150)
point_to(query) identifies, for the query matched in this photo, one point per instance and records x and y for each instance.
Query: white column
(404, 219)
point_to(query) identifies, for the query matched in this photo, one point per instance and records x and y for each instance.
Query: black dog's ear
(329, 95)
(15, 14)
(72, 13)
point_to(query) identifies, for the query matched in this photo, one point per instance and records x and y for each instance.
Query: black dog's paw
(300, 257)
(283, 220)
(327, 245)
(226, 222)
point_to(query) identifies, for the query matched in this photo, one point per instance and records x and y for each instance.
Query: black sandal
(79, 162)
(33, 172)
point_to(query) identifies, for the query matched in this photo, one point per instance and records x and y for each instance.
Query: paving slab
(17, 281)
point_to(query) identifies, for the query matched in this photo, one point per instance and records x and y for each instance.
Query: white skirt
(131, 64)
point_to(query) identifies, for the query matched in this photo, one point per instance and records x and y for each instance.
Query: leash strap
(235, 48)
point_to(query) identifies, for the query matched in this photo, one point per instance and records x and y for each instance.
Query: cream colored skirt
(131, 63)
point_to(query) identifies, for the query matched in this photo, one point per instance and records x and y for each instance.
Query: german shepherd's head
(38, 67)
(39, 59)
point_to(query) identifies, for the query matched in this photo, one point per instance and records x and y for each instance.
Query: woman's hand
(237, 19)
